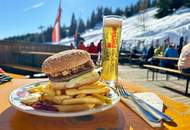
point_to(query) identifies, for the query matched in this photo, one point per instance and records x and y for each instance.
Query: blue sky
(25, 16)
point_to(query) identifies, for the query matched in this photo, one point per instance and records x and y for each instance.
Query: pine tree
(108, 11)
(99, 14)
(63, 31)
(187, 3)
(148, 3)
(136, 7)
(73, 25)
(119, 12)
(93, 20)
(127, 12)
(176, 4)
(47, 34)
(143, 5)
(81, 27)
(88, 24)
(164, 8)
(132, 9)
(154, 3)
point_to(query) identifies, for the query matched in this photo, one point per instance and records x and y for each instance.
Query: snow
(173, 26)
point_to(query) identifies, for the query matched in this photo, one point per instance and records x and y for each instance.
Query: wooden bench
(165, 58)
(168, 71)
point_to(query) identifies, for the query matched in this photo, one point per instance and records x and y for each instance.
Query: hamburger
(70, 69)
(73, 84)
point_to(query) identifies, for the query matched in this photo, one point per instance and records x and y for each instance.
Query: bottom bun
(78, 81)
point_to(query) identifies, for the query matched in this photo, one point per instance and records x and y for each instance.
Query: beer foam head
(113, 20)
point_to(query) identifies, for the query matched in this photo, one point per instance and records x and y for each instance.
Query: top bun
(65, 60)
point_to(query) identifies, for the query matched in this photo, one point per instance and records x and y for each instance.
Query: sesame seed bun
(65, 60)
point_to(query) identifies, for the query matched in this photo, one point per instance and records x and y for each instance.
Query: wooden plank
(162, 68)
(35, 53)
(166, 69)
(44, 53)
(166, 58)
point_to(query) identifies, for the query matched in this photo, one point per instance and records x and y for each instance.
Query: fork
(143, 105)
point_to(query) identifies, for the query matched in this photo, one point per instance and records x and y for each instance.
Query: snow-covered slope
(173, 26)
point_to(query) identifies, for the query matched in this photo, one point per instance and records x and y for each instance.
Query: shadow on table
(112, 119)
(176, 91)
(119, 117)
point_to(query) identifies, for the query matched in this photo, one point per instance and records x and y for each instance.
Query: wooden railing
(15, 52)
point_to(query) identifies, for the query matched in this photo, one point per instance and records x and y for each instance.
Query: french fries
(59, 99)
(39, 88)
(81, 95)
(103, 98)
(97, 84)
(69, 100)
(86, 91)
(58, 92)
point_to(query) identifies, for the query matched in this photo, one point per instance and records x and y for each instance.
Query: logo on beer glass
(112, 44)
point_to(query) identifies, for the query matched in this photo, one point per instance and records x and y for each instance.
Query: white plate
(16, 95)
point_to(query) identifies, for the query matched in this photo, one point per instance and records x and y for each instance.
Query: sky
(19, 17)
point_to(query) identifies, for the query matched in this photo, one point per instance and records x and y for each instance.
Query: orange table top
(119, 117)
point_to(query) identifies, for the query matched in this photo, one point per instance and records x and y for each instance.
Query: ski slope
(173, 26)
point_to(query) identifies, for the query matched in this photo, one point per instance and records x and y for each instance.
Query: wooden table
(166, 58)
(119, 117)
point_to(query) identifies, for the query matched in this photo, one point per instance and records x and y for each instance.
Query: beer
(110, 49)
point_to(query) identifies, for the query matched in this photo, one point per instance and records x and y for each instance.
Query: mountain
(134, 29)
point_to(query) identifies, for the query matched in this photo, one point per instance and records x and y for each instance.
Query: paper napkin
(150, 98)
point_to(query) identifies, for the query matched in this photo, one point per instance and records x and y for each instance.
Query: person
(181, 40)
(134, 52)
(158, 51)
(92, 48)
(81, 46)
(150, 53)
(78, 39)
(184, 59)
(72, 46)
(99, 46)
(144, 51)
(186, 40)
(169, 52)
(180, 46)
(165, 45)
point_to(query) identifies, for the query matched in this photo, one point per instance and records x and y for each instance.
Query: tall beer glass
(112, 26)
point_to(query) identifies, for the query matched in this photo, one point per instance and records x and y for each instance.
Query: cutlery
(143, 105)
